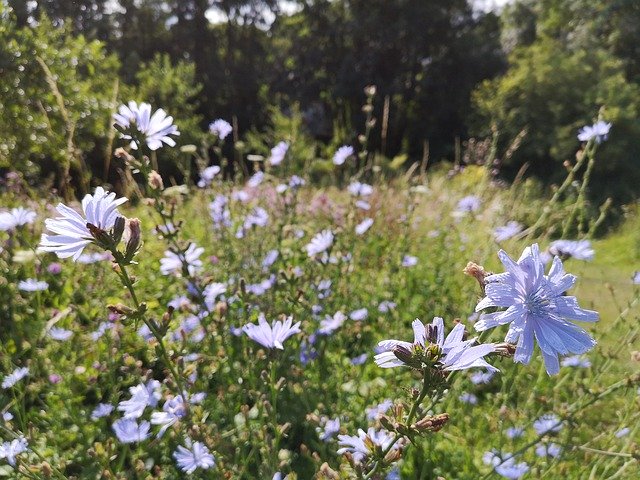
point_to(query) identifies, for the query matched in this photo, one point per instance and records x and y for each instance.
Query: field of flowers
(426, 326)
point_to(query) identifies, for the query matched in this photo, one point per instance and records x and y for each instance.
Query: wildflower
(102, 328)
(155, 129)
(431, 348)
(578, 249)
(219, 212)
(409, 261)
(363, 226)
(54, 268)
(330, 430)
(175, 262)
(364, 444)
(271, 336)
(623, 432)
(17, 217)
(101, 410)
(255, 180)
(492, 458)
(386, 306)
(394, 474)
(296, 182)
(536, 307)
(548, 450)
(481, 377)
(257, 217)
(636, 278)
(195, 455)
(128, 431)
(32, 285)
(269, 259)
(14, 377)
(60, 334)
(548, 423)
(70, 231)
(358, 189)
(500, 234)
(142, 396)
(514, 432)
(173, 410)
(220, 128)
(320, 243)
(212, 292)
(278, 153)
(362, 205)
(599, 131)
(331, 324)
(468, 204)
(512, 470)
(360, 359)
(576, 361)
(7, 416)
(342, 154)
(469, 398)
(207, 175)
(359, 314)
(10, 450)
(378, 410)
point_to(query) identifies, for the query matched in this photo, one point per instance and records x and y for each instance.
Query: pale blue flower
(500, 234)
(478, 378)
(636, 278)
(578, 249)
(470, 203)
(154, 129)
(377, 411)
(359, 314)
(394, 474)
(174, 262)
(549, 423)
(278, 153)
(101, 410)
(258, 217)
(514, 432)
(142, 396)
(220, 128)
(599, 131)
(358, 445)
(102, 328)
(320, 243)
(70, 233)
(363, 226)
(623, 432)
(60, 334)
(17, 217)
(453, 353)
(207, 175)
(32, 285)
(386, 306)
(331, 428)
(331, 324)
(548, 450)
(358, 189)
(469, 398)
(14, 377)
(10, 450)
(342, 154)
(195, 455)
(512, 470)
(128, 431)
(219, 212)
(409, 261)
(255, 180)
(271, 336)
(577, 361)
(269, 259)
(362, 205)
(536, 308)
(173, 410)
(360, 359)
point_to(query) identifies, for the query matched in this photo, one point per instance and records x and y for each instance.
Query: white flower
(212, 292)
(17, 217)
(10, 450)
(359, 314)
(278, 153)
(358, 189)
(321, 242)
(14, 377)
(363, 226)
(220, 128)
(271, 336)
(598, 131)
(128, 431)
(254, 181)
(154, 128)
(173, 263)
(193, 456)
(60, 334)
(70, 232)
(32, 285)
(342, 154)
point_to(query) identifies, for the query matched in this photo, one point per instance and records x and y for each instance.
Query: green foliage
(553, 92)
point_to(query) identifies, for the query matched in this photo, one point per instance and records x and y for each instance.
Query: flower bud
(155, 180)
(118, 229)
(370, 90)
(133, 237)
(431, 423)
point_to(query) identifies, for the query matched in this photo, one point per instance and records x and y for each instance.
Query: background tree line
(443, 71)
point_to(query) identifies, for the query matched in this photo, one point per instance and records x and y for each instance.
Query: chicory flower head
(271, 336)
(536, 307)
(136, 123)
(220, 128)
(599, 132)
